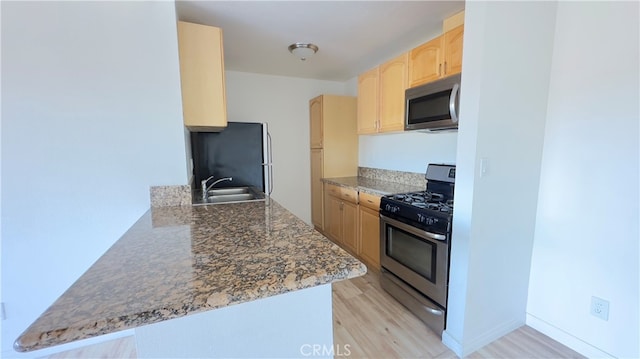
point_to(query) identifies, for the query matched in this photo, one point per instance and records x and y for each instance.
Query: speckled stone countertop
(373, 186)
(182, 260)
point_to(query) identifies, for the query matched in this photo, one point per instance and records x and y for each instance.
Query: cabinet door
(393, 83)
(204, 104)
(368, 102)
(333, 218)
(425, 62)
(350, 226)
(315, 116)
(369, 236)
(453, 51)
(317, 197)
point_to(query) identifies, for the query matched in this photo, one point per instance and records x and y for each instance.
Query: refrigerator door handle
(270, 164)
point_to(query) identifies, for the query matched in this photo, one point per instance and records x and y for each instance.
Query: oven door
(417, 257)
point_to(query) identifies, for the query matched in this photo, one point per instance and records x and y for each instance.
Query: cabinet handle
(445, 67)
(440, 70)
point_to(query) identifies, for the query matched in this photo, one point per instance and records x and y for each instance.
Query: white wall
(91, 117)
(410, 151)
(586, 238)
(281, 326)
(506, 61)
(283, 103)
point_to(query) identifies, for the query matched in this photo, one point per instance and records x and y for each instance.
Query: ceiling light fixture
(303, 51)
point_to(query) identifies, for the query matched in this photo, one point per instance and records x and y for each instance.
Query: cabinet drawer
(370, 201)
(333, 190)
(349, 194)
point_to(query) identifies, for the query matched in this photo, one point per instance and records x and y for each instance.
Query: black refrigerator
(241, 151)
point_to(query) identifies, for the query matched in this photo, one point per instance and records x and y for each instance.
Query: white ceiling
(353, 36)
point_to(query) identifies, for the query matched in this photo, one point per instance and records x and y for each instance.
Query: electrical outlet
(600, 308)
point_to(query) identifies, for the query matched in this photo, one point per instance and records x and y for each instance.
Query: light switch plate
(484, 166)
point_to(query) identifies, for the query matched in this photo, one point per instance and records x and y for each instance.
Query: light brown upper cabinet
(440, 57)
(453, 51)
(315, 114)
(333, 146)
(368, 102)
(381, 97)
(204, 105)
(393, 83)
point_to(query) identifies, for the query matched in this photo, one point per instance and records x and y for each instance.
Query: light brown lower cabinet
(369, 229)
(351, 221)
(350, 226)
(333, 218)
(369, 223)
(341, 216)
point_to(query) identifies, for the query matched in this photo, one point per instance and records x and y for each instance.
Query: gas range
(430, 210)
(415, 238)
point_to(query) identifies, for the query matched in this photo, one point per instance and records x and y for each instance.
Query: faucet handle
(203, 183)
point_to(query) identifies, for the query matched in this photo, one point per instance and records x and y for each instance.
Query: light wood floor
(375, 325)
(369, 323)
(121, 348)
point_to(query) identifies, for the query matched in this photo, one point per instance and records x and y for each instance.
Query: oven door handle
(414, 230)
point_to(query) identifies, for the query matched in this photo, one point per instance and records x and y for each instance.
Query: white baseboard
(470, 346)
(452, 343)
(565, 338)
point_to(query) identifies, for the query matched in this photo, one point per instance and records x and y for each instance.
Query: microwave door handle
(452, 103)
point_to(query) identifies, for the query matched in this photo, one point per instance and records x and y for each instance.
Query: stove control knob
(391, 209)
(426, 220)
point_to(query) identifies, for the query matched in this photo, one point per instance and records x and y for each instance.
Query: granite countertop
(373, 186)
(182, 260)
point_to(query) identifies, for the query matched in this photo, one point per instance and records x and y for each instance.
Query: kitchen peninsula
(181, 262)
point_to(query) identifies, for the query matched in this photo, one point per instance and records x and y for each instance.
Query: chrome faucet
(206, 189)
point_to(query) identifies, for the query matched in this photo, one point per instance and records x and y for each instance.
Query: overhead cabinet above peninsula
(204, 104)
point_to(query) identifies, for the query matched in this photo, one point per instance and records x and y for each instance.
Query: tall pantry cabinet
(334, 146)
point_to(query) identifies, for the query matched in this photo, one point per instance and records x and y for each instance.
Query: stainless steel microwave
(433, 106)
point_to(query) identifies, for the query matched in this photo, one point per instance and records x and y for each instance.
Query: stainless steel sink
(221, 198)
(229, 191)
(228, 195)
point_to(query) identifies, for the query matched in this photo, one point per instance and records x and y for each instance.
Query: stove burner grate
(426, 200)
(420, 197)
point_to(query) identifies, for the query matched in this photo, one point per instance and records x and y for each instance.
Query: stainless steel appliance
(415, 238)
(240, 154)
(433, 106)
